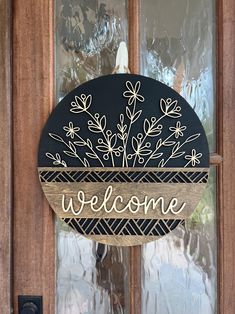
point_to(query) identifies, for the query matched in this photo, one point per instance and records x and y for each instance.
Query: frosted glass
(90, 278)
(177, 47)
(179, 270)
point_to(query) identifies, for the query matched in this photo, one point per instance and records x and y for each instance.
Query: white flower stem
(105, 137)
(124, 160)
(146, 135)
(113, 164)
(78, 136)
(174, 153)
(188, 163)
(157, 149)
(77, 156)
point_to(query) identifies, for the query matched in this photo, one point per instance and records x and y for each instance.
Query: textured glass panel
(91, 278)
(179, 270)
(178, 49)
(88, 36)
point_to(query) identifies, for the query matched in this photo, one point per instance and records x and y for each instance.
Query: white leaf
(159, 143)
(56, 137)
(145, 152)
(72, 147)
(192, 137)
(161, 163)
(156, 155)
(58, 156)
(136, 116)
(103, 122)
(94, 128)
(49, 155)
(91, 155)
(113, 140)
(134, 143)
(128, 113)
(86, 162)
(89, 144)
(102, 148)
(79, 143)
(168, 143)
(177, 155)
(146, 126)
(70, 154)
(175, 148)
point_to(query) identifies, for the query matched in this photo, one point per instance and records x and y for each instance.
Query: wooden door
(27, 87)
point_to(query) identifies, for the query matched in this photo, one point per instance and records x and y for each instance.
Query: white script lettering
(133, 205)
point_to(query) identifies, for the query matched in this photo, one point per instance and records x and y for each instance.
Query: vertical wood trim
(134, 35)
(6, 157)
(134, 66)
(33, 227)
(226, 142)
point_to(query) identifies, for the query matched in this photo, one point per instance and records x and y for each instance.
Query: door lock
(30, 304)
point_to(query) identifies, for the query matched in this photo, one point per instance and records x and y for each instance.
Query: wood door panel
(33, 230)
(6, 156)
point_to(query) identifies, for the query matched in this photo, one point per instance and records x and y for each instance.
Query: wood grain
(134, 66)
(34, 245)
(188, 193)
(215, 159)
(134, 36)
(6, 157)
(226, 148)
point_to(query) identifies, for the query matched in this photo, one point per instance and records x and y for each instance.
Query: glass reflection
(177, 48)
(179, 270)
(90, 278)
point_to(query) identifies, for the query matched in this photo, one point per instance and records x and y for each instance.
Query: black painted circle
(109, 98)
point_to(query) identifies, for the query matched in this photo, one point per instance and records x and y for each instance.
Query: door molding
(6, 157)
(226, 148)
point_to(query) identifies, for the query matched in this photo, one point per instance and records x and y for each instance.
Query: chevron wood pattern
(124, 176)
(123, 227)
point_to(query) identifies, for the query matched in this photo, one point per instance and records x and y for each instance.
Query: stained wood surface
(185, 193)
(129, 240)
(34, 246)
(226, 147)
(134, 66)
(215, 159)
(5, 161)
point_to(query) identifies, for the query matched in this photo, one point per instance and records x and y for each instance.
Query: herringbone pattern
(111, 226)
(124, 176)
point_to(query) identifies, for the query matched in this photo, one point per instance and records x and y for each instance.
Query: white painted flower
(177, 130)
(81, 103)
(132, 93)
(194, 157)
(108, 147)
(170, 108)
(71, 130)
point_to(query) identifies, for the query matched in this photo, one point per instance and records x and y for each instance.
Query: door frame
(225, 85)
(27, 255)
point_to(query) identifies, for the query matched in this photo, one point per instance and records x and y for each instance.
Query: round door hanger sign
(123, 159)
